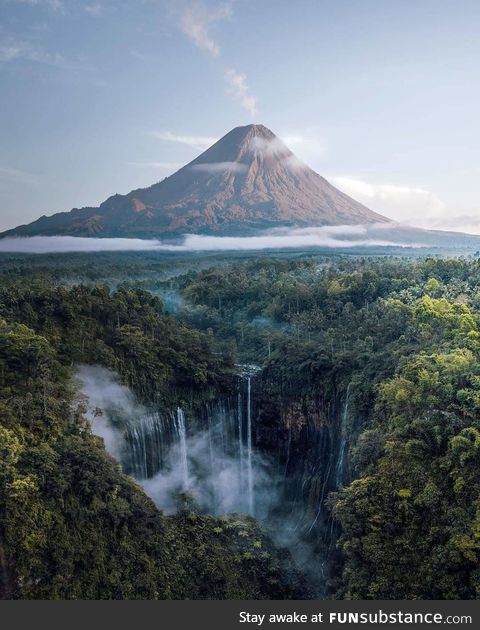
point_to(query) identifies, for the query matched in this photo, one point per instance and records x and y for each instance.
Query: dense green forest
(384, 351)
(406, 337)
(71, 524)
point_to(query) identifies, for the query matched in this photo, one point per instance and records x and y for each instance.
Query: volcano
(246, 182)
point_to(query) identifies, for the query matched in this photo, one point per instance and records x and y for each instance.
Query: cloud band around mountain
(347, 236)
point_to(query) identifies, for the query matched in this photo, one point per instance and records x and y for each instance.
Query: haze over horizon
(104, 97)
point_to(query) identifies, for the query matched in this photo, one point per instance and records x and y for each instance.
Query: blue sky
(381, 97)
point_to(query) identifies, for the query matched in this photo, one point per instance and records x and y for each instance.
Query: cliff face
(247, 181)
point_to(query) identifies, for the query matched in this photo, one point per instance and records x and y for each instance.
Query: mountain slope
(247, 181)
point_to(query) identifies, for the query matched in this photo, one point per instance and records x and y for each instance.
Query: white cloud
(279, 239)
(58, 6)
(294, 164)
(412, 205)
(469, 223)
(269, 146)
(8, 52)
(327, 236)
(58, 244)
(238, 88)
(195, 142)
(309, 148)
(293, 140)
(12, 49)
(195, 22)
(278, 147)
(220, 167)
(281, 146)
(95, 10)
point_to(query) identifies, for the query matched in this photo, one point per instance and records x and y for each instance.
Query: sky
(380, 97)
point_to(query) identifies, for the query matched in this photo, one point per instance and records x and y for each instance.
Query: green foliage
(127, 330)
(405, 335)
(72, 526)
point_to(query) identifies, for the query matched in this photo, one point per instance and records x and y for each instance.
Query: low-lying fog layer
(340, 236)
(196, 463)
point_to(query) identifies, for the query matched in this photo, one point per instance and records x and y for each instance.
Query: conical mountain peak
(249, 131)
(243, 144)
(245, 182)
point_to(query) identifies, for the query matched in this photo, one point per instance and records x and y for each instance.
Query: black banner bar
(248, 615)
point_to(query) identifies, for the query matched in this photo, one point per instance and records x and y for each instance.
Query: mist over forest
(280, 415)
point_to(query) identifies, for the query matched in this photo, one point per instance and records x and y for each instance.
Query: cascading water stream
(207, 452)
(241, 463)
(336, 461)
(339, 472)
(182, 435)
(147, 440)
(251, 506)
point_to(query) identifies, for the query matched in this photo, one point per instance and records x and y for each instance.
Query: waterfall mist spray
(209, 455)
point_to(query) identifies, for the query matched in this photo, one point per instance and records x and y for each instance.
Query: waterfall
(147, 441)
(240, 434)
(205, 449)
(343, 441)
(214, 460)
(182, 436)
(211, 457)
(251, 507)
(336, 460)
